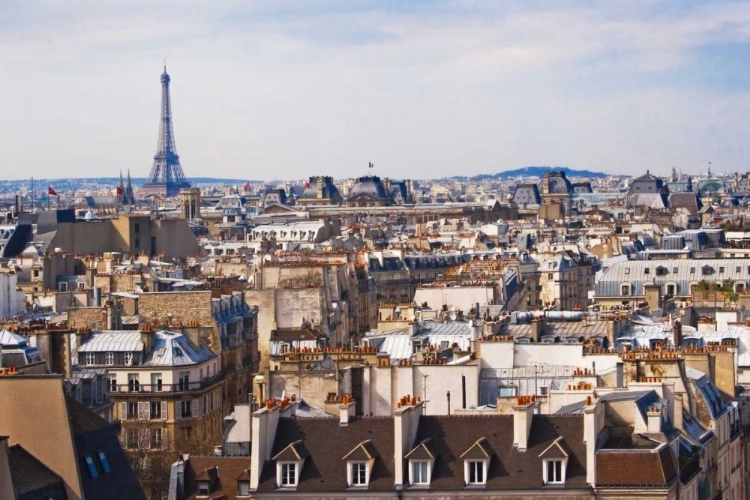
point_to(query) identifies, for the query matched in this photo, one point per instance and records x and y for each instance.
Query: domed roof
(369, 187)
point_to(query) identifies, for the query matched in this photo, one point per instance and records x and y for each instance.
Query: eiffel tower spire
(166, 177)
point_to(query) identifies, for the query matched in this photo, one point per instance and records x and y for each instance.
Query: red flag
(51, 192)
(307, 185)
(119, 190)
(247, 186)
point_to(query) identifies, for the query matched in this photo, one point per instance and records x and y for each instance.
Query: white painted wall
(8, 295)
(384, 386)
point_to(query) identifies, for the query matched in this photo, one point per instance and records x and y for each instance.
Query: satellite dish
(452, 315)
(452, 308)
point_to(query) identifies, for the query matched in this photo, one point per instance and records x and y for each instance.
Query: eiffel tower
(166, 177)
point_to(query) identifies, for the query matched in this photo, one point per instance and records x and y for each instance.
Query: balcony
(169, 388)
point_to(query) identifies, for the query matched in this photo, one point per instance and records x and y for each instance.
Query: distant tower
(129, 197)
(166, 177)
(190, 200)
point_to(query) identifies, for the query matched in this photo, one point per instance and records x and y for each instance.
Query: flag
(371, 165)
(247, 186)
(307, 185)
(119, 191)
(51, 192)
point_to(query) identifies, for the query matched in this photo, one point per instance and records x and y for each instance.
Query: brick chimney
(537, 328)
(653, 417)
(147, 337)
(677, 334)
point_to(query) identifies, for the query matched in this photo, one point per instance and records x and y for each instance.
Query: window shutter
(177, 410)
(143, 411)
(123, 411)
(194, 407)
(163, 410)
(143, 435)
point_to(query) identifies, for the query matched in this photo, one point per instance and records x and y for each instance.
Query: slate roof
(230, 470)
(325, 469)
(29, 474)
(509, 469)
(635, 467)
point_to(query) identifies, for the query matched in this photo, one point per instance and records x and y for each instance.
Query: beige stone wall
(265, 300)
(183, 306)
(92, 317)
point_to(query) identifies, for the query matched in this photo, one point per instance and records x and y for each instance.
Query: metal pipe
(463, 391)
(449, 402)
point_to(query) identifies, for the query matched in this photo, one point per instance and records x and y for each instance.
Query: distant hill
(535, 172)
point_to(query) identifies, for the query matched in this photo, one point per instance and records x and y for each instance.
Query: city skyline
(423, 90)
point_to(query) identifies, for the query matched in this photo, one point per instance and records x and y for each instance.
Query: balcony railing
(171, 388)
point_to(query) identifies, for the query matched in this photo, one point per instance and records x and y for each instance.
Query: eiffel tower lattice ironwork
(166, 177)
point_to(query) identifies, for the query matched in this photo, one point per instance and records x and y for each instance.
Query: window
(288, 474)
(359, 474)
(133, 383)
(646, 271)
(184, 383)
(553, 472)
(137, 227)
(203, 489)
(104, 462)
(90, 358)
(155, 439)
(62, 287)
(419, 472)
(109, 358)
(112, 382)
(284, 348)
(738, 269)
(137, 243)
(475, 472)
(692, 270)
(132, 410)
(156, 384)
(91, 466)
(627, 270)
(550, 276)
(721, 269)
(131, 439)
(128, 358)
(674, 270)
(186, 408)
(625, 290)
(243, 488)
(155, 409)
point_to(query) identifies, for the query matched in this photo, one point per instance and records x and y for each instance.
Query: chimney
(406, 423)
(591, 431)
(653, 417)
(677, 334)
(264, 423)
(537, 328)
(347, 410)
(523, 414)
(147, 337)
(620, 375)
(677, 409)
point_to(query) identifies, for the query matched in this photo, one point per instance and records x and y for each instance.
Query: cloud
(423, 89)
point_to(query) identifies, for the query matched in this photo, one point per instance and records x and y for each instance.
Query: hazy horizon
(421, 89)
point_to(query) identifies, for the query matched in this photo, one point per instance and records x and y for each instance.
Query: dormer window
(204, 488)
(358, 473)
(476, 462)
(555, 462)
(243, 488)
(289, 464)
(553, 472)
(419, 474)
(475, 472)
(359, 464)
(421, 460)
(287, 474)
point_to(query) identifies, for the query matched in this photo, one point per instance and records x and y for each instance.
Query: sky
(423, 89)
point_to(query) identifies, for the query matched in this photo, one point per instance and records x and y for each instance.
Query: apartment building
(166, 388)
